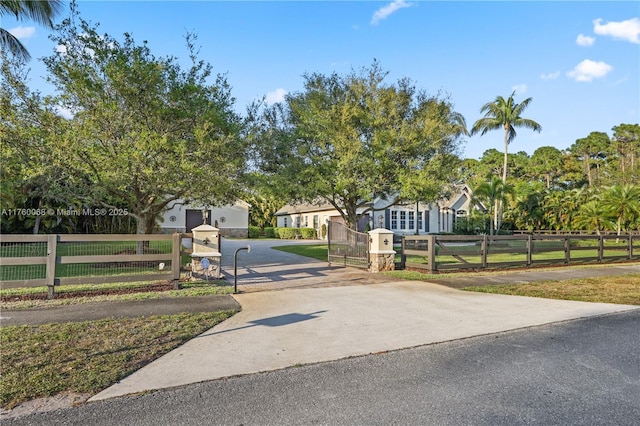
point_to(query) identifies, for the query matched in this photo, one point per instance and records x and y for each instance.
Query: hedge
(254, 232)
(293, 233)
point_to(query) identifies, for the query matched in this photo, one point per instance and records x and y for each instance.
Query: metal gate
(347, 246)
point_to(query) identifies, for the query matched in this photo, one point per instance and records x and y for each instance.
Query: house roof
(460, 191)
(303, 208)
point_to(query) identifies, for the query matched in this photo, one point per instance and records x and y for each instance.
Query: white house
(232, 220)
(402, 219)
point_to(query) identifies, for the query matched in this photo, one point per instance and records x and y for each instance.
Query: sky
(578, 61)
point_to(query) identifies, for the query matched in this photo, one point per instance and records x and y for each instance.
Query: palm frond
(13, 45)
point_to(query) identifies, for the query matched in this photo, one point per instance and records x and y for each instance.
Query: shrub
(269, 232)
(287, 233)
(254, 232)
(294, 233)
(308, 233)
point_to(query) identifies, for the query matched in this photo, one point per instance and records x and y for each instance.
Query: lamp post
(235, 267)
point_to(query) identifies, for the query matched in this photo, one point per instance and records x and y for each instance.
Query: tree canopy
(348, 139)
(141, 131)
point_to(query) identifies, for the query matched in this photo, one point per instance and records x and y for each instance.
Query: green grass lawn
(44, 360)
(315, 251)
(624, 289)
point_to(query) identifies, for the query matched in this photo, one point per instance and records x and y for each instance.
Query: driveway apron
(264, 268)
(330, 320)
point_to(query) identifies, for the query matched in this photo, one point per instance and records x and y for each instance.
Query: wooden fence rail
(52, 260)
(450, 252)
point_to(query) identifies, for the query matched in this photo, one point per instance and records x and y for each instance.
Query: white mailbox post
(205, 258)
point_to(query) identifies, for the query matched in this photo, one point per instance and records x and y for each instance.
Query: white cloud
(584, 40)
(385, 11)
(628, 30)
(275, 96)
(520, 88)
(587, 70)
(61, 48)
(22, 33)
(64, 112)
(550, 76)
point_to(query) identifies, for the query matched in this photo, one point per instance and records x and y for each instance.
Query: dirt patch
(43, 405)
(160, 286)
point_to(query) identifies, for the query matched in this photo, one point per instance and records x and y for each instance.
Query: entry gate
(347, 246)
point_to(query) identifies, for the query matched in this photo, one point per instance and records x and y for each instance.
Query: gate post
(381, 252)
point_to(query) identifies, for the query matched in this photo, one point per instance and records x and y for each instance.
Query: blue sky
(579, 61)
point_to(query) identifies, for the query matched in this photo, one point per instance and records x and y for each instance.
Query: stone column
(381, 253)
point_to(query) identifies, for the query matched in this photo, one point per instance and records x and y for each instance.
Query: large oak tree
(144, 129)
(349, 139)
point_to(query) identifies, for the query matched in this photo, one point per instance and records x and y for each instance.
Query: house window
(394, 219)
(306, 221)
(403, 220)
(420, 221)
(298, 221)
(285, 222)
(315, 221)
(412, 220)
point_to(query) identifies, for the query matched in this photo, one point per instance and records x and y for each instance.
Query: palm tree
(492, 194)
(41, 11)
(506, 114)
(624, 203)
(593, 216)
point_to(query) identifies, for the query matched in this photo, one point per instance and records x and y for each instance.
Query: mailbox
(205, 246)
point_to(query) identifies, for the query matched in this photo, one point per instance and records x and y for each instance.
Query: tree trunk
(499, 205)
(140, 230)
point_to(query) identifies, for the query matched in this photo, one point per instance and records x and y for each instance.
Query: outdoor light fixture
(386, 242)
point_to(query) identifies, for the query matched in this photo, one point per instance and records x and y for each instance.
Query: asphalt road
(583, 372)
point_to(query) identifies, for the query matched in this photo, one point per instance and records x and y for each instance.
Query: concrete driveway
(279, 329)
(264, 268)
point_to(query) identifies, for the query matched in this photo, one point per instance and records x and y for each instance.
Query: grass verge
(315, 251)
(112, 292)
(44, 360)
(622, 289)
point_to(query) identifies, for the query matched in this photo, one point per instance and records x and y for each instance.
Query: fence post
(630, 245)
(431, 253)
(403, 256)
(483, 251)
(329, 243)
(567, 250)
(50, 277)
(600, 248)
(175, 259)
(529, 249)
